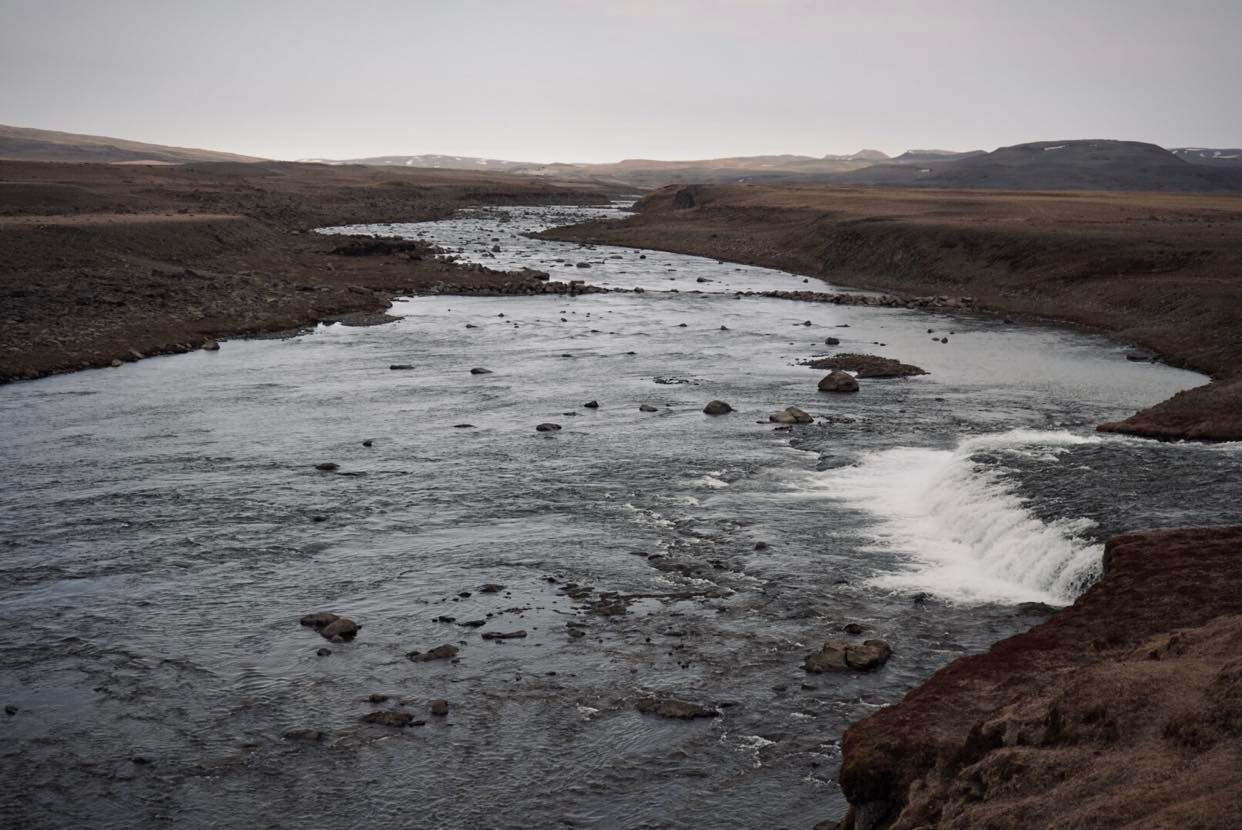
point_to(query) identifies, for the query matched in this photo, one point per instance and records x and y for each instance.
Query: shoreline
(107, 265)
(1125, 267)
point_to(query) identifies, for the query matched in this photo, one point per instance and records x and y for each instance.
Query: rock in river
(790, 415)
(717, 408)
(391, 718)
(328, 466)
(440, 708)
(672, 708)
(839, 655)
(504, 635)
(479, 370)
(443, 652)
(340, 629)
(838, 381)
(547, 427)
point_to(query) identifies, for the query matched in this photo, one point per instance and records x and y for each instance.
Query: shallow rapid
(163, 527)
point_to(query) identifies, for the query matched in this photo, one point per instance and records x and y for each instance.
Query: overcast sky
(576, 80)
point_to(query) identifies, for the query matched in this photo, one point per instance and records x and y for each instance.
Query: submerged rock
(504, 635)
(439, 708)
(327, 466)
(717, 408)
(401, 367)
(647, 408)
(547, 427)
(444, 652)
(391, 718)
(319, 619)
(839, 655)
(838, 381)
(479, 370)
(673, 708)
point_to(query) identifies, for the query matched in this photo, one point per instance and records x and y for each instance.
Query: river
(163, 526)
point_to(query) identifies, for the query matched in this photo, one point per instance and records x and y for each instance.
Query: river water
(163, 527)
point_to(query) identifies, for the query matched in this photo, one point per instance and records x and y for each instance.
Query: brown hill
(26, 144)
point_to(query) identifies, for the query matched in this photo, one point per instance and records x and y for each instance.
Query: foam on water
(968, 535)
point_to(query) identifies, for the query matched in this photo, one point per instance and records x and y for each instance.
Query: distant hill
(434, 162)
(1096, 164)
(1206, 155)
(26, 144)
(861, 155)
(918, 156)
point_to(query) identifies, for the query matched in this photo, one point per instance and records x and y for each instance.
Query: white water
(968, 536)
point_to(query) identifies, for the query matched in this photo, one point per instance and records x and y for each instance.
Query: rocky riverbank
(1123, 710)
(106, 264)
(1159, 270)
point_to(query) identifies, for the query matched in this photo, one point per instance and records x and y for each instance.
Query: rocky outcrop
(1123, 710)
(791, 415)
(866, 365)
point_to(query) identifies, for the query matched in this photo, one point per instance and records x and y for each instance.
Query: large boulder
(717, 408)
(839, 655)
(838, 381)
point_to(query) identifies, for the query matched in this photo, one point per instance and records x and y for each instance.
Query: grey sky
(574, 80)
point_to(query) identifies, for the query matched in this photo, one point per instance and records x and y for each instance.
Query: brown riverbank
(103, 263)
(1123, 710)
(1163, 271)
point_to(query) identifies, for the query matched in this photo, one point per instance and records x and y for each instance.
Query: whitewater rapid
(966, 533)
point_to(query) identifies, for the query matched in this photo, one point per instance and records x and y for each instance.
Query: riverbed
(164, 527)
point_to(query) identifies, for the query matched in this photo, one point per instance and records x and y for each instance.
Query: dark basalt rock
(838, 381)
(674, 709)
(717, 408)
(839, 655)
(444, 652)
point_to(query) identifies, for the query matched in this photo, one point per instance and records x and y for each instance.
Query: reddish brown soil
(1124, 710)
(102, 262)
(1163, 271)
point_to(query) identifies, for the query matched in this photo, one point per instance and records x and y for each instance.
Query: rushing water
(162, 528)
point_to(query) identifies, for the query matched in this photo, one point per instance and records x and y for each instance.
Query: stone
(327, 466)
(838, 381)
(391, 718)
(591, 405)
(832, 341)
(368, 443)
(790, 415)
(323, 652)
(839, 655)
(401, 367)
(307, 735)
(444, 652)
(377, 697)
(717, 408)
(340, 629)
(319, 619)
(547, 427)
(211, 346)
(647, 408)
(439, 708)
(491, 588)
(504, 635)
(854, 628)
(761, 545)
(479, 370)
(675, 709)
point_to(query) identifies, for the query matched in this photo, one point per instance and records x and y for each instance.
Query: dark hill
(1057, 165)
(26, 144)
